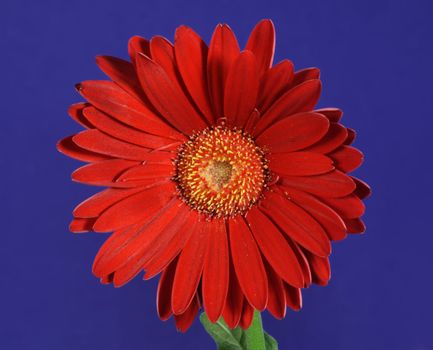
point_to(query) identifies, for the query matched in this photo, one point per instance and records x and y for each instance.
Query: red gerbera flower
(220, 174)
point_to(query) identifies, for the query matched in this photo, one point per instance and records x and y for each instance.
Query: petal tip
(79, 87)
(268, 22)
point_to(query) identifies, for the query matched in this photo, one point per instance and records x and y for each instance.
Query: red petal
(333, 184)
(122, 73)
(320, 268)
(166, 97)
(136, 207)
(362, 189)
(262, 43)
(305, 74)
(95, 205)
(300, 163)
(184, 321)
(275, 248)
(76, 113)
(247, 315)
(165, 285)
(297, 224)
(191, 56)
(116, 102)
(102, 173)
(303, 262)
(126, 273)
(158, 262)
(293, 297)
(241, 89)
(277, 299)
(351, 135)
(349, 207)
(81, 225)
(294, 132)
(152, 240)
(215, 278)
(274, 83)
(301, 98)
(233, 308)
(157, 157)
(347, 158)
(189, 269)
(70, 149)
(95, 141)
(354, 225)
(223, 50)
(252, 121)
(163, 54)
(121, 131)
(328, 218)
(334, 138)
(159, 241)
(132, 249)
(107, 279)
(246, 258)
(147, 171)
(136, 45)
(111, 246)
(333, 114)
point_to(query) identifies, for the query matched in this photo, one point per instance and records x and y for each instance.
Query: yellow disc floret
(221, 172)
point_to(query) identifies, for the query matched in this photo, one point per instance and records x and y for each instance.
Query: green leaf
(243, 341)
(254, 337)
(270, 342)
(237, 332)
(221, 334)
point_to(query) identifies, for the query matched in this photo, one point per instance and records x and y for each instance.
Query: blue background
(376, 58)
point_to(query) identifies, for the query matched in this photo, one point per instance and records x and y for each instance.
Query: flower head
(220, 174)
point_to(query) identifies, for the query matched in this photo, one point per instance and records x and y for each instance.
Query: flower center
(221, 172)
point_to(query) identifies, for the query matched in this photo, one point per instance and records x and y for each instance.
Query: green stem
(254, 336)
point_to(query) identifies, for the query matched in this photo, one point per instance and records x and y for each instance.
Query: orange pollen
(221, 172)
